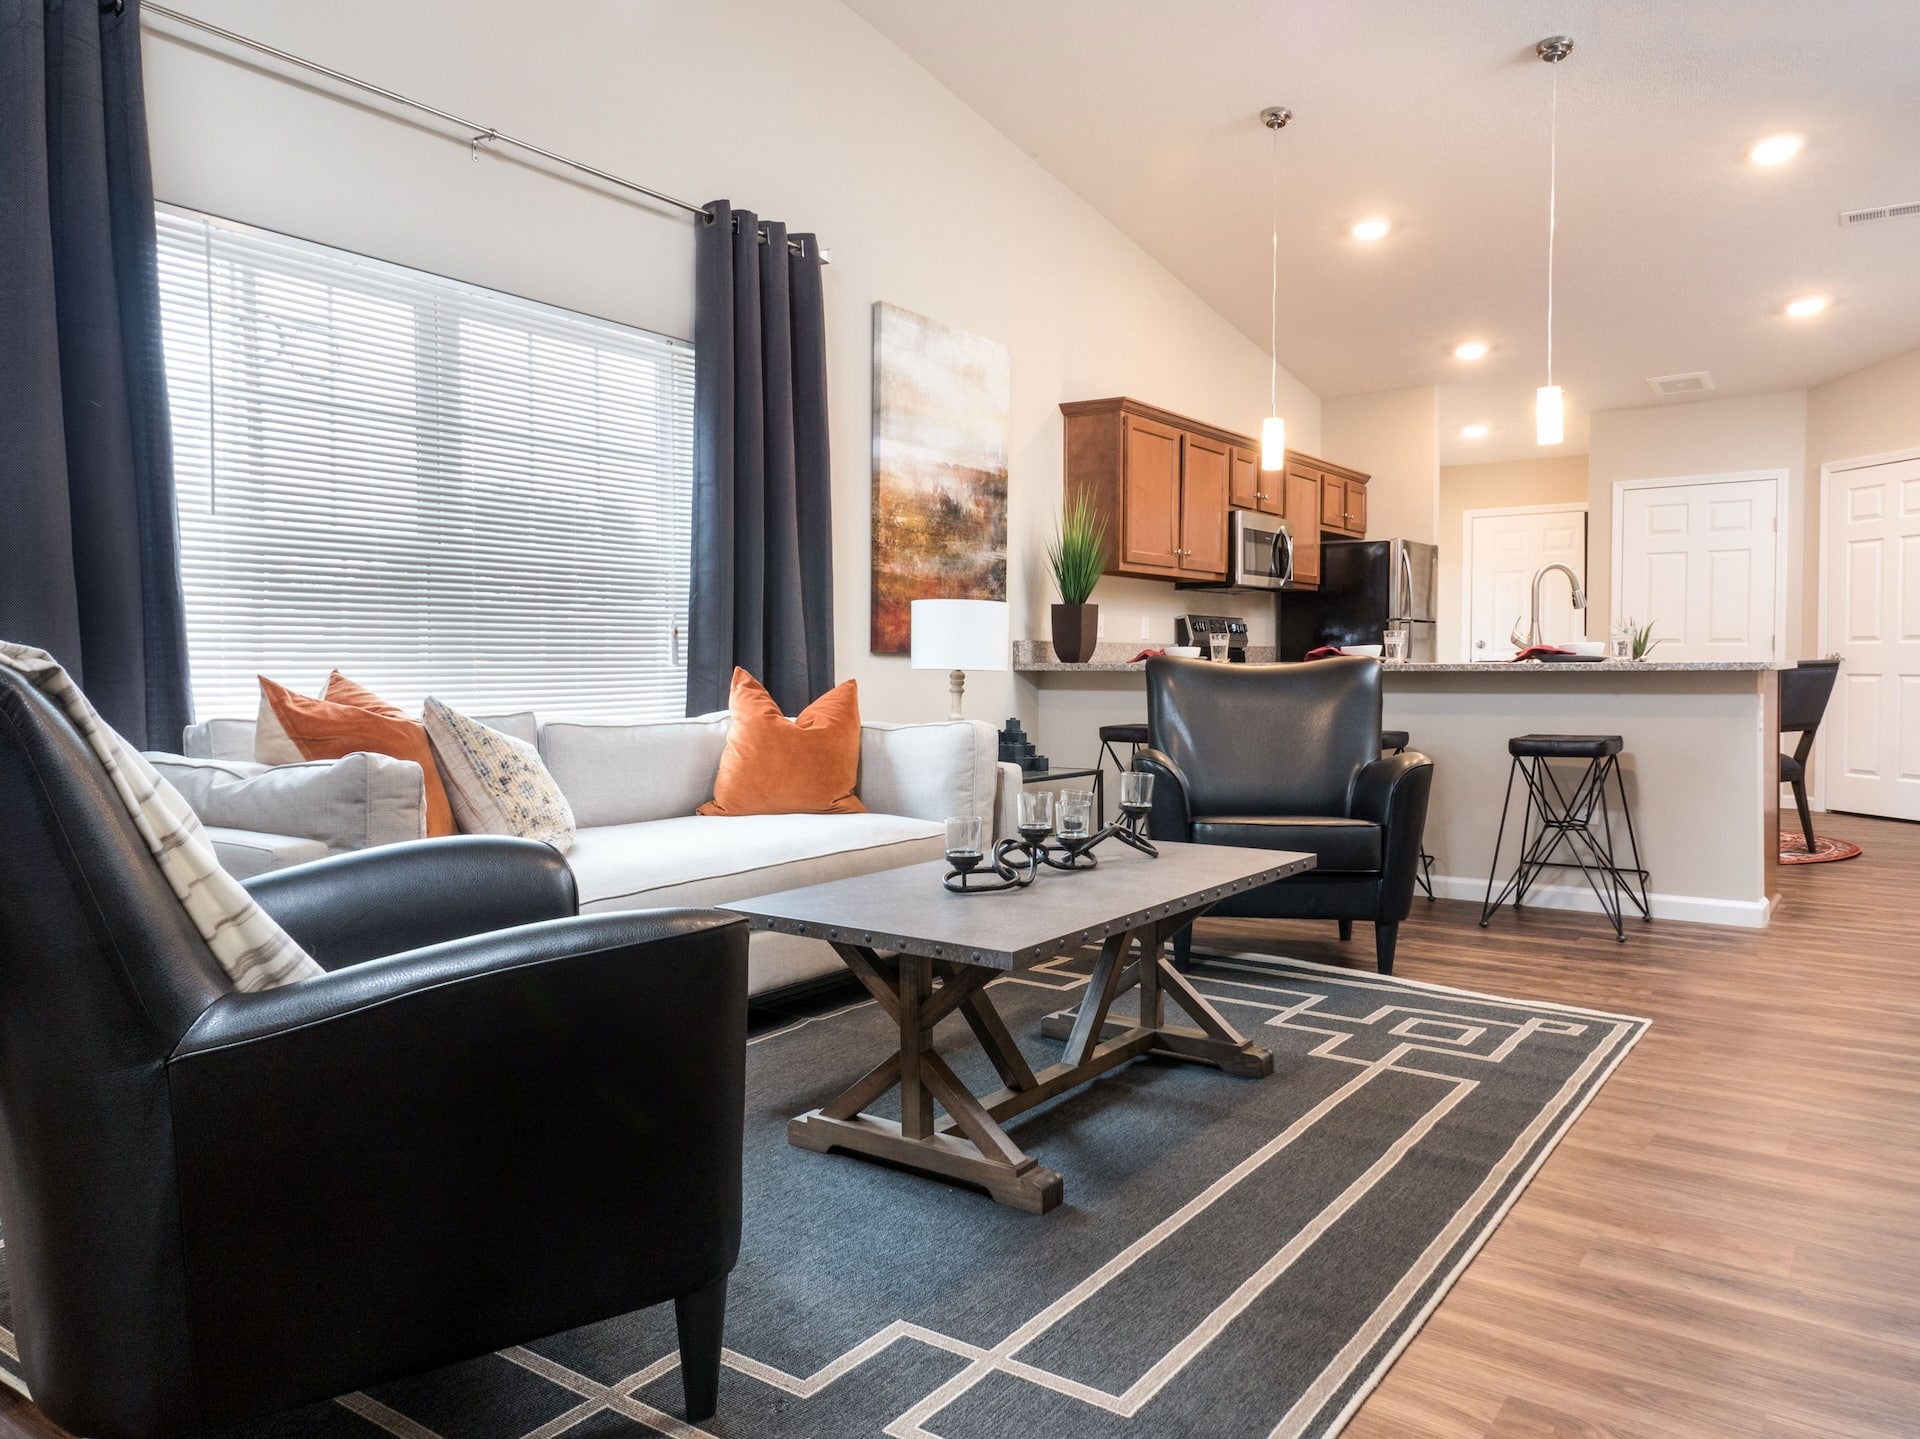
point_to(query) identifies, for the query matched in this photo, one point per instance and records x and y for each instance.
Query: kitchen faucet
(1532, 635)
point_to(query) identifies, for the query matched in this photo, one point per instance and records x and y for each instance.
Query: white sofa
(634, 789)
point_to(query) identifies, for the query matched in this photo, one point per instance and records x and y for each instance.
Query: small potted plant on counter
(1076, 556)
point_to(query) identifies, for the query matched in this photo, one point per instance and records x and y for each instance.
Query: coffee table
(925, 954)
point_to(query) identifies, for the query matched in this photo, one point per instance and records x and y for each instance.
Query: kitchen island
(1701, 741)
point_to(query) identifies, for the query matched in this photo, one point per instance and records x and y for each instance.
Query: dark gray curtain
(762, 508)
(91, 564)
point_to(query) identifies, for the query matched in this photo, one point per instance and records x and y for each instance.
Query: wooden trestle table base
(925, 954)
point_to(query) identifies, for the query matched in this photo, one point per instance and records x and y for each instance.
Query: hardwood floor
(1728, 1242)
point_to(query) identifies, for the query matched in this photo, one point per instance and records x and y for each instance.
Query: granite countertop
(1109, 657)
(1036, 657)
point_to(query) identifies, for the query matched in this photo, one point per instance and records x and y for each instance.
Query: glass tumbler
(1217, 646)
(1393, 644)
(1136, 793)
(966, 841)
(1075, 815)
(1036, 813)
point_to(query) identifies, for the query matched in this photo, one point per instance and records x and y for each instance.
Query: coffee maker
(1194, 630)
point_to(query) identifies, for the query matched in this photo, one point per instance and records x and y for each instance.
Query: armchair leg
(1183, 948)
(1384, 938)
(1806, 814)
(700, 1318)
(1346, 929)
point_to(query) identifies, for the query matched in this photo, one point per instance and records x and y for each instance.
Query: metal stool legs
(1579, 818)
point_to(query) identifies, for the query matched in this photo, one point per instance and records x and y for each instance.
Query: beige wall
(1504, 485)
(800, 110)
(1394, 436)
(1875, 411)
(1753, 432)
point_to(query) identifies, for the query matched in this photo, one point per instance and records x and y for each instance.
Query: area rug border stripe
(1360, 1381)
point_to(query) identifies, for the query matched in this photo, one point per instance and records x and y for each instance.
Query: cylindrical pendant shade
(960, 634)
(1273, 443)
(1550, 415)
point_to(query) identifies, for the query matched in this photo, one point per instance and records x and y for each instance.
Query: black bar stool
(1395, 741)
(1576, 815)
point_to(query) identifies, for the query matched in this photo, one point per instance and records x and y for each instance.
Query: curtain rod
(480, 134)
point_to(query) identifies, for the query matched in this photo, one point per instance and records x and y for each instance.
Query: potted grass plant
(1076, 555)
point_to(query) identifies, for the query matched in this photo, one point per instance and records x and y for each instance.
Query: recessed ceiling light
(1473, 432)
(1775, 149)
(1371, 229)
(1810, 305)
(1472, 350)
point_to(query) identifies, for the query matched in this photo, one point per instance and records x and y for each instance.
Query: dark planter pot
(1076, 630)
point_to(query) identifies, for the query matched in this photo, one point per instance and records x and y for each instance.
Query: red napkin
(1325, 652)
(1535, 651)
(1145, 655)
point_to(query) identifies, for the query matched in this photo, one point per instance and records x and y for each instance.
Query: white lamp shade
(1273, 443)
(1550, 415)
(960, 634)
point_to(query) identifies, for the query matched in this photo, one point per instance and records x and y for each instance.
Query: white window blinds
(435, 488)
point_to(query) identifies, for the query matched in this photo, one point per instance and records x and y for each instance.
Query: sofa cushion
(930, 771)
(345, 804)
(809, 764)
(327, 729)
(703, 860)
(1348, 846)
(496, 783)
(626, 773)
(243, 853)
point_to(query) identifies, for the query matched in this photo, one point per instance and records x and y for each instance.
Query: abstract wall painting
(941, 418)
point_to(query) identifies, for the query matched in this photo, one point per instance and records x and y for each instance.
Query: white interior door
(1871, 575)
(1505, 548)
(1699, 561)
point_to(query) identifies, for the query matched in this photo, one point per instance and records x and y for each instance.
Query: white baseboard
(1687, 908)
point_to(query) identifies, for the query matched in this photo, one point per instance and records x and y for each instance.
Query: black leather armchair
(491, 1121)
(1287, 757)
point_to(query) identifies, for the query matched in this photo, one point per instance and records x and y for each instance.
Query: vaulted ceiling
(1676, 253)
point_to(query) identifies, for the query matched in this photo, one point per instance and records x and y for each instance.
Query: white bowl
(1370, 651)
(1587, 647)
(1184, 652)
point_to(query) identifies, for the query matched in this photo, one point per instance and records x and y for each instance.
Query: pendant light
(1549, 403)
(1273, 429)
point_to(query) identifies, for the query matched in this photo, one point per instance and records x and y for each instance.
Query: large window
(436, 488)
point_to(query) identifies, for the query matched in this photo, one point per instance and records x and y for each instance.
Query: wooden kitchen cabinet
(1342, 499)
(1250, 487)
(1303, 510)
(1161, 481)
(1203, 506)
(1165, 485)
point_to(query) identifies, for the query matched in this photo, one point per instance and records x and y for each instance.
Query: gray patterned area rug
(1233, 1257)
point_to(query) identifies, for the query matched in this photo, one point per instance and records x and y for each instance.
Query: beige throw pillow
(497, 783)
(271, 743)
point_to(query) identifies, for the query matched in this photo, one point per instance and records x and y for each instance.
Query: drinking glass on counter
(1217, 646)
(1394, 644)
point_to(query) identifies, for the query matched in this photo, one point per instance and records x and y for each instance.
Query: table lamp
(959, 635)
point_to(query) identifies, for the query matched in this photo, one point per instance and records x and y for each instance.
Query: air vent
(1881, 212)
(1690, 384)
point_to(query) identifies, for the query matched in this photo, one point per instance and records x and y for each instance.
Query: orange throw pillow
(343, 691)
(774, 765)
(331, 729)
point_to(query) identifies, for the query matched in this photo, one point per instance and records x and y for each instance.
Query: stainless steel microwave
(1261, 549)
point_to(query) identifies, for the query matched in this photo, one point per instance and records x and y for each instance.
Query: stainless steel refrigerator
(1365, 585)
